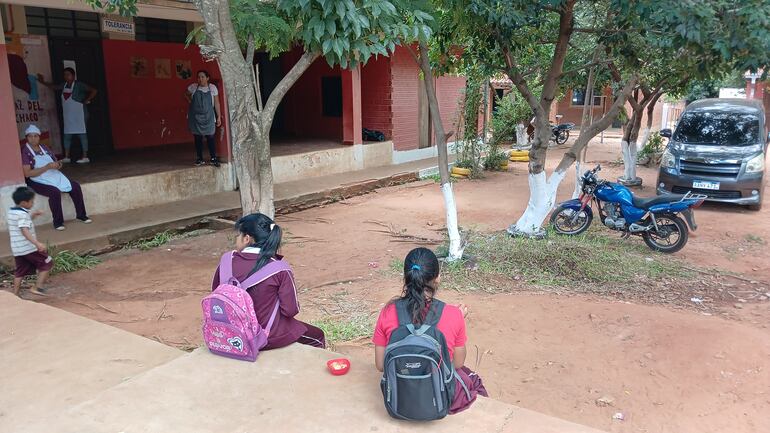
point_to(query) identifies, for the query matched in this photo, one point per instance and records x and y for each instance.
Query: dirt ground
(665, 369)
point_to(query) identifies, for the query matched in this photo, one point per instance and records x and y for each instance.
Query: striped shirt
(19, 218)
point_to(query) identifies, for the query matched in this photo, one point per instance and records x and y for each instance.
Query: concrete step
(68, 374)
(120, 227)
(286, 390)
(53, 360)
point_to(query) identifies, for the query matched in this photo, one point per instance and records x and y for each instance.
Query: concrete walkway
(66, 374)
(119, 227)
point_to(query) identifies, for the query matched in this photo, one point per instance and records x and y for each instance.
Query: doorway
(85, 56)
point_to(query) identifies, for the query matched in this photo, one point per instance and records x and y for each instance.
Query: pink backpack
(230, 325)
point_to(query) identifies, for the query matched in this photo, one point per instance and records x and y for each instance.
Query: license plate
(702, 184)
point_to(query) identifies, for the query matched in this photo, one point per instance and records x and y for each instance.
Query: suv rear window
(718, 128)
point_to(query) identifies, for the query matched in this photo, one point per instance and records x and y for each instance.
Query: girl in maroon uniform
(257, 243)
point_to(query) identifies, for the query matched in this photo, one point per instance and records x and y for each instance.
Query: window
(718, 128)
(331, 96)
(62, 23)
(157, 30)
(579, 98)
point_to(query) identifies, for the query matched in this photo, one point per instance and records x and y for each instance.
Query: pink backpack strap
(272, 318)
(226, 269)
(273, 267)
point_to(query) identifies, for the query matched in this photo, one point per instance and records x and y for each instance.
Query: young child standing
(257, 242)
(421, 281)
(30, 255)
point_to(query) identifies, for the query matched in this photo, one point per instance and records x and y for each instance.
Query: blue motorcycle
(656, 219)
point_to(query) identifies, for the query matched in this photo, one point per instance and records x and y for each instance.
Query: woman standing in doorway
(75, 95)
(203, 116)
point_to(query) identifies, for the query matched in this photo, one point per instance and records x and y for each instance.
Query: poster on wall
(163, 68)
(139, 68)
(34, 103)
(183, 69)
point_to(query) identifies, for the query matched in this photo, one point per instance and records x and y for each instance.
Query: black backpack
(418, 376)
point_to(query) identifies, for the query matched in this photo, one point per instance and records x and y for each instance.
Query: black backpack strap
(404, 318)
(434, 313)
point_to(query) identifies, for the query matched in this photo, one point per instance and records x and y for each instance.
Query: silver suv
(718, 149)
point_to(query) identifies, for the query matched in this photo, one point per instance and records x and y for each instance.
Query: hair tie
(272, 226)
(416, 267)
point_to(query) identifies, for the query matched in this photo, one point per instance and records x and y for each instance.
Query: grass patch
(159, 239)
(590, 259)
(67, 261)
(397, 266)
(339, 330)
(437, 178)
(754, 239)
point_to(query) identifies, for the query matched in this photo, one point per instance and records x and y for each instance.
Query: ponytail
(266, 235)
(421, 268)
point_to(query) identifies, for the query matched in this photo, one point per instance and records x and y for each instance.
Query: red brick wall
(302, 109)
(449, 92)
(404, 100)
(376, 102)
(405, 76)
(148, 111)
(574, 114)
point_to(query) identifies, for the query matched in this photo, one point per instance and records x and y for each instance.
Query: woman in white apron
(203, 116)
(75, 95)
(41, 170)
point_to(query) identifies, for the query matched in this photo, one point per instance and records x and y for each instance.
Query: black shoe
(215, 161)
(199, 162)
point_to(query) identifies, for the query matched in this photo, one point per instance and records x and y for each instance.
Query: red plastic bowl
(343, 366)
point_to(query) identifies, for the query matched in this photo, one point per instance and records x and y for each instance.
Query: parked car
(718, 149)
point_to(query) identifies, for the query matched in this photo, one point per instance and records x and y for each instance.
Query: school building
(139, 144)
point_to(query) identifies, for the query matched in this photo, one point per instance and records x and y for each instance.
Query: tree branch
(596, 127)
(566, 21)
(284, 85)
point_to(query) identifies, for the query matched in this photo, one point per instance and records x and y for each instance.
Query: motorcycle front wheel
(572, 222)
(671, 235)
(562, 137)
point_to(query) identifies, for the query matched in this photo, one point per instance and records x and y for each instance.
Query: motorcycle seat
(648, 202)
(565, 126)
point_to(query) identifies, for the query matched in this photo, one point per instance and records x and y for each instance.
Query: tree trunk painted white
(542, 198)
(629, 151)
(455, 242)
(578, 183)
(646, 132)
(521, 136)
(455, 247)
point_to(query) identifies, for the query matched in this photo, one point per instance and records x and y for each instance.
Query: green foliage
(494, 158)
(654, 146)
(67, 261)
(342, 329)
(510, 112)
(468, 145)
(349, 32)
(159, 239)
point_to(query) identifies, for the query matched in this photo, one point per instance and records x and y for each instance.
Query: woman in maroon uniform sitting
(257, 243)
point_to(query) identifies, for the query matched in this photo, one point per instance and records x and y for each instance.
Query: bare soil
(666, 366)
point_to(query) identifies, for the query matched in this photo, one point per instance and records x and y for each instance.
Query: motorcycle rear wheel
(562, 137)
(562, 221)
(661, 240)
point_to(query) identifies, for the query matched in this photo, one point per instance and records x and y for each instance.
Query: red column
(10, 162)
(351, 106)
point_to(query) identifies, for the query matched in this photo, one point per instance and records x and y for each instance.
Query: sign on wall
(34, 103)
(112, 25)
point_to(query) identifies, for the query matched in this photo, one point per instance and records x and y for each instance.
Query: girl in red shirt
(256, 244)
(421, 280)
